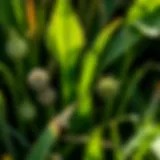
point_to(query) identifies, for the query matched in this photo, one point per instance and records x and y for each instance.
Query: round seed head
(47, 96)
(27, 111)
(107, 86)
(38, 79)
(16, 46)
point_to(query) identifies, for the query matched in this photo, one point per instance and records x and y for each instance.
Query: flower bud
(27, 111)
(47, 96)
(16, 47)
(107, 86)
(38, 79)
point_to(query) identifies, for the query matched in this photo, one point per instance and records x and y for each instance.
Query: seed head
(16, 46)
(107, 86)
(27, 111)
(38, 79)
(47, 96)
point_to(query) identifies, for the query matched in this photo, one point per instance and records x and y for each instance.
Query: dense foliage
(79, 79)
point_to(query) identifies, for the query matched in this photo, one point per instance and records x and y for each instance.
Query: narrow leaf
(90, 64)
(94, 148)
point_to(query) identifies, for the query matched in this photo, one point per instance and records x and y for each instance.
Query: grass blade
(48, 138)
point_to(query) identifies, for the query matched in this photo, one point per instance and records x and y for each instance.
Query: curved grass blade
(135, 80)
(21, 139)
(153, 107)
(5, 135)
(141, 141)
(10, 81)
(48, 138)
(119, 45)
(89, 66)
(18, 11)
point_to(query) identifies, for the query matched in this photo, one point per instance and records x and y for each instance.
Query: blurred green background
(79, 79)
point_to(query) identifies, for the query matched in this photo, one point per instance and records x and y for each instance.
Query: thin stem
(108, 108)
(116, 142)
(153, 107)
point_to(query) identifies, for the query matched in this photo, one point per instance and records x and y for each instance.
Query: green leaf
(18, 11)
(150, 25)
(141, 141)
(89, 65)
(42, 148)
(9, 79)
(147, 24)
(65, 37)
(94, 148)
(6, 17)
(141, 9)
(129, 92)
(50, 135)
(91, 58)
(155, 147)
(5, 135)
(104, 37)
(119, 46)
(132, 86)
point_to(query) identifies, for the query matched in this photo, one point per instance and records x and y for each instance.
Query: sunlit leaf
(90, 64)
(150, 25)
(156, 146)
(92, 57)
(65, 36)
(141, 141)
(94, 149)
(141, 9)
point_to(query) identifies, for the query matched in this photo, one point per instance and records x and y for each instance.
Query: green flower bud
(16, 46)
(27, 111)
(38, 79)
(108, 86)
